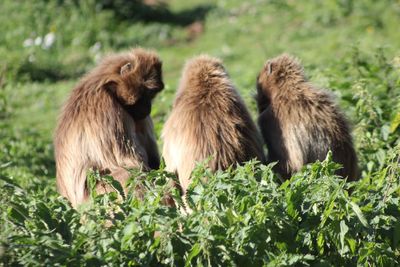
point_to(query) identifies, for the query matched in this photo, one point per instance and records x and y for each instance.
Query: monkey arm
(274, 139)
(145, 133)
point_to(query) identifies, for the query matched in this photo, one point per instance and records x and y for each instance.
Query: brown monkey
(209, 120)
(300, 123)
(106, 125)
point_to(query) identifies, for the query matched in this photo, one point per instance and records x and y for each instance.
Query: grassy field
(244, 216)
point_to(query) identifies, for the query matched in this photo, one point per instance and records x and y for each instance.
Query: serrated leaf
(343, 231)
(352, 245)
(396, 235)
(118, 187)
(193, 253)
(385, 131)
(320, 243)
(156, 243)
(91, 182)
(329, 209)
(395, 123)
(45, 215)
(359, 213)
(9, 181)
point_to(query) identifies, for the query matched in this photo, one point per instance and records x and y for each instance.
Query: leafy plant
(244, 216)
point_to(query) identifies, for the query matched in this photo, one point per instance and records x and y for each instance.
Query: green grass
(242, 217)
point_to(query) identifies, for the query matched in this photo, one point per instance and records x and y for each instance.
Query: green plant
(243, 216)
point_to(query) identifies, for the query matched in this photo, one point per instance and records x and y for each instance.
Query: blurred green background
(45, 46)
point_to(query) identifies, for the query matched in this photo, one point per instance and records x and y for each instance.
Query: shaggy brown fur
(209, 119)
(300, 123)
(106, 125)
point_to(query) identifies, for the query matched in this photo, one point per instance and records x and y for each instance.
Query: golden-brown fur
(209, 119)
(106, 125)
(300, 123)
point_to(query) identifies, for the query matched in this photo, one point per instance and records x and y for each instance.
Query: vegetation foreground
(244, 216)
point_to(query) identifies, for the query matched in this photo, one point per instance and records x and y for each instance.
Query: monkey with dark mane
(105, 123)
(300, 123)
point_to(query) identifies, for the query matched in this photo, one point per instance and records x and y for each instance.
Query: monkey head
(136, 79)
(277, 74)
(202, 71)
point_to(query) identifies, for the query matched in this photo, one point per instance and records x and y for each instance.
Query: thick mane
(287, 69)
(203, 73)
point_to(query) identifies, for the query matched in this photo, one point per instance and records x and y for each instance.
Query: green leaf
(117, 186)
(385, 131)
(343, 231)
(193, 253)
(320, 243)
(9, 181)
(396, 235)
(45, 215)
(359, 213)
(18, 213)
(352, 245)
(329, 209)
(91, 181)
(395, 123)
(156, 244)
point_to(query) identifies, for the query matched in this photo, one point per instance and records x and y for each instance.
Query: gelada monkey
(300, 123)
(209, 120)
(105, 123)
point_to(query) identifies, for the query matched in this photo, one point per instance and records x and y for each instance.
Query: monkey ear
(270, 67)
(125, 68)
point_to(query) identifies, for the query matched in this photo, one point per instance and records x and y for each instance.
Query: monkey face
(134, 81)
(142, 83)
(141, 109)
(152, 81)
(145, 79)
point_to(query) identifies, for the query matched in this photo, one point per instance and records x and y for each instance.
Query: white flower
(28, 42)
(396, 62)
(96, 47)
(38, 40)
(31, 58)
(49, 40)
